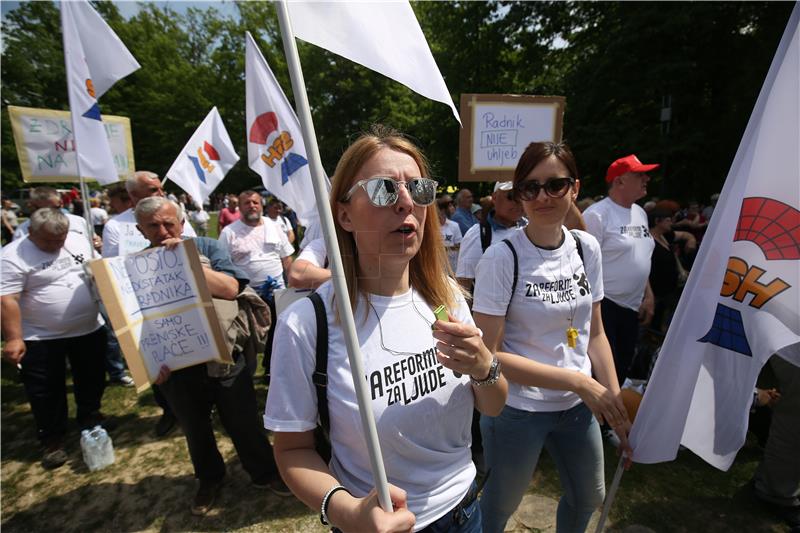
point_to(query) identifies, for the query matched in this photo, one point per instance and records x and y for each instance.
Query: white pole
(334, 256)
(612, 492)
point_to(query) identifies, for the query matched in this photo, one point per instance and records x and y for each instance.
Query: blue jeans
(512, 442)
(464, 518)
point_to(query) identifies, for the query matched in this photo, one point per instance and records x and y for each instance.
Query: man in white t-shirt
(275, 213)
(48, 312)
(505, 218)
(621, 228)
(451, 233)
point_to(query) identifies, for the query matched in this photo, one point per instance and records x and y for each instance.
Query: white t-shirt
(122, 237)
(451, 235)
(55, 299)
(76, 225)
(423, 413)
(625, 239)
(284, 224)
(257, 250)
(315, 253)
(471, 250)
(552, 284)
(313, 232)
(99, 216)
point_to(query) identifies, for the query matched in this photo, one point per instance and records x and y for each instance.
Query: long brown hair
(428, 269)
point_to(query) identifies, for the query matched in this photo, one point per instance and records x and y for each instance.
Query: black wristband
(326, 500)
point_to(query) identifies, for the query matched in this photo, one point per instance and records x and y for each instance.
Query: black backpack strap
(579, 246)
(516, 271)
(320, 377)
(486, 235)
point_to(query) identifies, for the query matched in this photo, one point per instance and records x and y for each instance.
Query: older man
(192, 391)
(48, 312)
(621, 228)
(464, 216)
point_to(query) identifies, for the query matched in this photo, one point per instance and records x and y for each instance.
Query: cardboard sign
(46, 146)
(498, 128)
(161, 310)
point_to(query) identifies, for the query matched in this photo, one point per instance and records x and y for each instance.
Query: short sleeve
(594, 224)
(292, 399)
(494, 277)
(314, 253)
(12, 276)
(469, 254)
(592, 264)
(111, 239)
(285, 248)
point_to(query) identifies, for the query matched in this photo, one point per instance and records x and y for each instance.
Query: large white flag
(205, 159)
(382, 36)
(275, 147)
(95, 59)
(702, 386)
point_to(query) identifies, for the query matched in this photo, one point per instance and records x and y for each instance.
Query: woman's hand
(461, 348)
(163, 375)
(625, 449)
(606, 406)
(352, 514)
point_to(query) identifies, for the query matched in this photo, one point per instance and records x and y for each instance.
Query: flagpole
(612, 493)
(334, 256)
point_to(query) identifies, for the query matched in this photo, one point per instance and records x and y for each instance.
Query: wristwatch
(491, 379)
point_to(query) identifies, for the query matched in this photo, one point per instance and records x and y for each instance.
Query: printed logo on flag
(774, 227)
(264, 125)
(94, 111)
(202, 163)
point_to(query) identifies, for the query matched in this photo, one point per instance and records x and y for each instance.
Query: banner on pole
(46, 146)
(161, 310)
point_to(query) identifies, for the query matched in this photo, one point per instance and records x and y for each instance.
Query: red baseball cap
(626, 164)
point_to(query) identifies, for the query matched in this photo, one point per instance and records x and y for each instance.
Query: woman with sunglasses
(424, 375)
(537, 300)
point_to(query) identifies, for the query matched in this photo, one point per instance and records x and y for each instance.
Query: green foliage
(616, 63)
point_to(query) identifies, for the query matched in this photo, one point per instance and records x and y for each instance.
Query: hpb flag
(382, 36)
(205, 159)
(275, 147)
(741, 303)
(95, 59)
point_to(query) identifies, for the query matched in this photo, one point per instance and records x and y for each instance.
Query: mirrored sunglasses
(553, 187)
(383, 191)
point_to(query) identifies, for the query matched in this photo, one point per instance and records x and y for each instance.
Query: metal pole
(612, 492)
(334, 256)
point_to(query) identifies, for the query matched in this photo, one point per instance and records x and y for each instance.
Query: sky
(130, 8)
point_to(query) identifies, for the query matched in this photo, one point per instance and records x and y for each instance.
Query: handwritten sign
(161, 310)
(498, 128)
(46, 146)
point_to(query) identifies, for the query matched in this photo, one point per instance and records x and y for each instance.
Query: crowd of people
(546, 300)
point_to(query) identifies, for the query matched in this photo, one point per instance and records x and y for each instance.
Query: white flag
(95, 59)
(205, 159)
(382, 36)
(275, 147)
(702, 386)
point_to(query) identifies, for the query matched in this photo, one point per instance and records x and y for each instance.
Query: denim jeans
(512, 443)
(462, 519)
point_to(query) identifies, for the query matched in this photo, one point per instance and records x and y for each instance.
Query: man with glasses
(463, 215)
(621, 228)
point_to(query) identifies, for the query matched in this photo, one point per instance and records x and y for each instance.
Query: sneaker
(205, 497)
(54, 457)
(124, 381)
(165, 425)
(274, 485)
(97, 419)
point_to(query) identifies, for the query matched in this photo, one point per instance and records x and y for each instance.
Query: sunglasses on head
(383, 191)
(553, 187)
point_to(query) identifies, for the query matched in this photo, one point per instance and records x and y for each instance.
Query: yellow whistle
(572, 337)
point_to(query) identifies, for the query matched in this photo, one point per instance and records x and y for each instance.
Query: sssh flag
(206, 158)
(382, 36)
(95, 59)
(275, 147)
(741, 304)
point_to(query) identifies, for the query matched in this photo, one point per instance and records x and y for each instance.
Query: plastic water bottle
(97, 448)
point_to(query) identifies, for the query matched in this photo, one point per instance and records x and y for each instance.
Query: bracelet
(323, 512)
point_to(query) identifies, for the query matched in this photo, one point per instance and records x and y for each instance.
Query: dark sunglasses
(553, 187)
(383, 191)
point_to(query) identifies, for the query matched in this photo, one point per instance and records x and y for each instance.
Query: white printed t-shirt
(423, 413)
(625, 239)
(76, 225)
(451, 235)
(471, 251)
(551, 285)
(55, 300)
(257, 250)
(122, 237)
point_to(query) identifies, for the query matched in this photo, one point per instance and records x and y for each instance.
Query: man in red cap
(621, 228)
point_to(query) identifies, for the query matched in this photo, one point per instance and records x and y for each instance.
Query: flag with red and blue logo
(275, 147)
(95, 58)
(206, 158)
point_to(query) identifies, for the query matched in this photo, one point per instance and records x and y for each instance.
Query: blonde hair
(429, 268)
